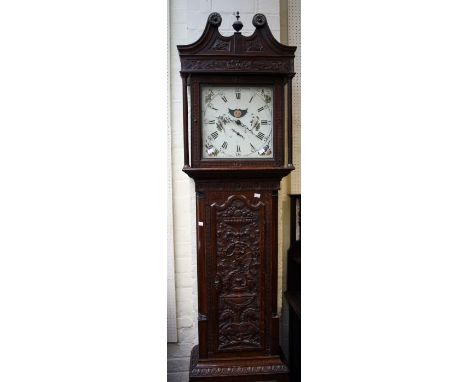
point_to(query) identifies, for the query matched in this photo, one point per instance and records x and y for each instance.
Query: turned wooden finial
(237, 25)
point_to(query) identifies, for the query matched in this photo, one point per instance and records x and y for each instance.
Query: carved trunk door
(236, 270)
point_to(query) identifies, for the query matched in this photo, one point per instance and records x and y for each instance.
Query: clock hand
(239, 122)
(239, 134)
(247, 128)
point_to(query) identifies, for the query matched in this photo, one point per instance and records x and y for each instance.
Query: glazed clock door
(237, 277)
(237, 121)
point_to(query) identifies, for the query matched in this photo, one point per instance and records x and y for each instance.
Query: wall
(186, 22)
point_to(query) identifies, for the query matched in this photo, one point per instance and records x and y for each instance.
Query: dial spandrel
(237, 122)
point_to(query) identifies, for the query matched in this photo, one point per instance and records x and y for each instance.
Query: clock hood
(259, 53)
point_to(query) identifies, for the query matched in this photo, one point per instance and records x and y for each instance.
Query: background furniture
(293, 293)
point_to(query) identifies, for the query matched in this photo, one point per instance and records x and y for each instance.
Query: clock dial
(237, 121)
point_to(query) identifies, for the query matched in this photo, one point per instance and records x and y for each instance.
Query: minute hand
(238, 122)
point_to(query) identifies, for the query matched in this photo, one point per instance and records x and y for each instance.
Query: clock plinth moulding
(237, 152)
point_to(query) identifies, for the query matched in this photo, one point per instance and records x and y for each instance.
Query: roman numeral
(214, 135)
(224, 145)
(260, 136)
(251, 98)
(252, 148)
(237, 93)
(265, 122)
(224, 98)
(238, 151)
(211, 122)
(260, 109)
(211, 107)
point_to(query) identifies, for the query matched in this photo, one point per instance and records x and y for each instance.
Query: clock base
(245, 369)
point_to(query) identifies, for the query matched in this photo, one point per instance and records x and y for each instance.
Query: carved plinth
(239, 369)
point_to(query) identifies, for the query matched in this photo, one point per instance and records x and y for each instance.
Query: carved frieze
(269, 65)
(239, 370)
(241, 185)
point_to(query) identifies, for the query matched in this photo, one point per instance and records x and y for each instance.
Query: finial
(237, 24)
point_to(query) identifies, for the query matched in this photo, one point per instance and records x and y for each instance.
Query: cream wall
(290, 30)
(187, 20)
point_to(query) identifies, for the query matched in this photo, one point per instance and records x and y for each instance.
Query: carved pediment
(257, 53)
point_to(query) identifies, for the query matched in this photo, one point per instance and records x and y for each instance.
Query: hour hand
(239, 134)
(239, 123)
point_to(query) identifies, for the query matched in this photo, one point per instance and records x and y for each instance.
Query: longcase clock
(236, 153)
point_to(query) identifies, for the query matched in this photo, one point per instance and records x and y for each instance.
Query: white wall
(187, 21)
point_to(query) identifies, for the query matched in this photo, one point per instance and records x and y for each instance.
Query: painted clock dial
(237, 122)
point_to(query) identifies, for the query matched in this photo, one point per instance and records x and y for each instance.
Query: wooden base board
(251, 369)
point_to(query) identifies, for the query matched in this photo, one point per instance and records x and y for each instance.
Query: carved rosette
(237, 274)
(215, 19)
(259, 20)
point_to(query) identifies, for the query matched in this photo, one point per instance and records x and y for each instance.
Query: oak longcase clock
(238, 150)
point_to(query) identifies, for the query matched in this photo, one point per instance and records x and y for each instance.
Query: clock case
(237, 209)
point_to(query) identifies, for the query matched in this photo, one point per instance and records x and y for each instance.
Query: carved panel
(239, 242)
(221, 45)
(253, 46)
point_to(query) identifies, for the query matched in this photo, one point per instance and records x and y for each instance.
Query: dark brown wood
(202, 282)
(246, 369)
(290, 124)
(185, 120)
(237, 211)
(237, 172)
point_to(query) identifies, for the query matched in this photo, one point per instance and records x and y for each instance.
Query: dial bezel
(275, 82)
